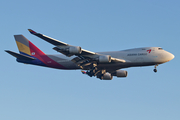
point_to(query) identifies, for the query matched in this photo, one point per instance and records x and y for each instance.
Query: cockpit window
(160, 48)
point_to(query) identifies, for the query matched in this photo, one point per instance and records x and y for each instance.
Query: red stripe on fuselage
(36, 52)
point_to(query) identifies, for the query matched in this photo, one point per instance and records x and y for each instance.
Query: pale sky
(30, 92)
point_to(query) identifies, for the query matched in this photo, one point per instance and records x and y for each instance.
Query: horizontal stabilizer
(83, 72)
(19, 56)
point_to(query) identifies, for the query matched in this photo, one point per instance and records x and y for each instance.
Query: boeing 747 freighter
(103, 65)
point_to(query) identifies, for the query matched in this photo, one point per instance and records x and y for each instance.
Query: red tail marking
(36, 52)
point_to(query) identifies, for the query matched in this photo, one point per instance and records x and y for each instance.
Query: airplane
(103, 65)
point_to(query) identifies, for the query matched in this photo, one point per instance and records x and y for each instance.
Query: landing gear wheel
(155, 70)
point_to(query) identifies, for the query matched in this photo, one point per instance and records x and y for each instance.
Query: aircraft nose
(171, 56)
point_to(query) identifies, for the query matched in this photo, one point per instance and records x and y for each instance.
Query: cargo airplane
(103, 65)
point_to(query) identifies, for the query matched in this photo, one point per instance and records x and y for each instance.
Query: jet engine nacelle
(121, 73)
(75, 50)
(104, 59)
(107, 76)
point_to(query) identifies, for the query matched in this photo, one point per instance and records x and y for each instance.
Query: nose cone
(166, 56)
(169, 56)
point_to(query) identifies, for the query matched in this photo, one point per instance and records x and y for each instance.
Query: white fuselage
(134, 57)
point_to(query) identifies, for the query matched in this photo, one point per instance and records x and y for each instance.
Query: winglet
(31, 31)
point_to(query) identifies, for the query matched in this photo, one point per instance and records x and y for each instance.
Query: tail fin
(26, 47)
(30, 54)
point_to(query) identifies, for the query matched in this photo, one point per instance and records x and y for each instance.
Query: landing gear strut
(93, 70)
(96, 72)
(155, 70)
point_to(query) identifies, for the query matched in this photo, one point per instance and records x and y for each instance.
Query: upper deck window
(160, 49)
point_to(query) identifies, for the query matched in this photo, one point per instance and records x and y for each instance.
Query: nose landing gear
(155, 70)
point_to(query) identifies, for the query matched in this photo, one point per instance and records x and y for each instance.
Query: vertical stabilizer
(26, 47)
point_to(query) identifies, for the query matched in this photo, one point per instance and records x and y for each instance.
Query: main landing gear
(94, 71)
(155, 70)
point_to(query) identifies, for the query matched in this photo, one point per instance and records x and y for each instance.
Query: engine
(121, 73)
(104, 59)
(107, 76)
(74, 50)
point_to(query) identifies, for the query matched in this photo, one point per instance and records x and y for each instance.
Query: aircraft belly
(126, 65)
(69, 64)
(64, 61)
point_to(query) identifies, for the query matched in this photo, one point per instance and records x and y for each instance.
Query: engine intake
(107, 76)
(104, 59)
(74, 50)
(121, 73)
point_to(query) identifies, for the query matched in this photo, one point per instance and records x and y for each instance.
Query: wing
(48, 39)
(61, 46)
(84, 57)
